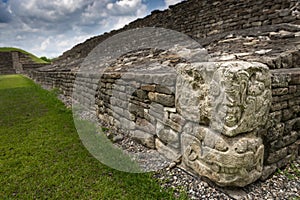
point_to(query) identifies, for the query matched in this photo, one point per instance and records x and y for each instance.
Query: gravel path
(284, 185)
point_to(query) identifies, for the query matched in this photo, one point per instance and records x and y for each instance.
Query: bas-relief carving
(241, 99)
(229, 150)
(226, 161)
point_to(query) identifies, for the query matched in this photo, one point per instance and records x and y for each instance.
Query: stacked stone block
(282, 139)
(203, 18)
(6, 63)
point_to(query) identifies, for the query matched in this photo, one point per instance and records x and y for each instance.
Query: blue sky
(48, 28)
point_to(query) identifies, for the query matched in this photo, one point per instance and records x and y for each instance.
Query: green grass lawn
(42, 157)
(33, 57)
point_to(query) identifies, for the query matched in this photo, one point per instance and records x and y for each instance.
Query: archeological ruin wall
(261, 130)
(203, 18)
(17, 62)
(282, 140)
(6, 63)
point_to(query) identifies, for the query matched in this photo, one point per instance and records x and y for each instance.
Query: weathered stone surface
(164, 89)
(280, 91)
(177, 119)
(149, 88)
(233, 97)
(169, 137)
(241, 94)
(212, 156)
(167, 151)
(136, 110)
(278, 155)
(141, 94)
(146, 139)
(145, 125)
(164, 99)
(267, 171)
(192, 92)
(275, 132)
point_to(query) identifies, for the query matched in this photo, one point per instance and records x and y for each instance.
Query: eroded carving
(227, 149)
(241, 98)
(227, 161)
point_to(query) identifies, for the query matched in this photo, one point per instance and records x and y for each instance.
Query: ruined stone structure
(13, 62)
(233, 117)
(6, 63)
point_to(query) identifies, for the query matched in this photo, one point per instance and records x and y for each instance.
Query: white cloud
(48, 28)
(172, 2)
(45, 44)
(125, 7)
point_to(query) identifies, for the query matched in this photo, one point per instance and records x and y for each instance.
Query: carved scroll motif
(241, 99)
(229, 151)
(228, 162)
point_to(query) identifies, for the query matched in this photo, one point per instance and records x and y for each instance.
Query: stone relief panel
(226, 104)
(240, 95)
(230, 97)
(227, 161)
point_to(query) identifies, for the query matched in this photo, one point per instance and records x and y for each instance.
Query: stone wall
(171, 110)
(6, 63)
(281, 141)
(17, 62)
(200, 19)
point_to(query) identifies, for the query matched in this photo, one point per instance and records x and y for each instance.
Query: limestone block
(149, 88)
(141, 94)
(275, 132)
(169, 137)
(136, 109)
(164, 89)
(293, 149)
(191, 98)
(293, 124)
(126, 124)
(280, 79)
(164, 99)
(155, 115)
(241, 97)
(279, 106)
(227, 161)
(178, 119)
(292, 89)
(176, 127)
(287, 114)
(277, 155)
(267, 171)
(283, 162)
(144, 138)
(167, 151)
(118, 102)
(230, 97)
(280, 91)
(145, 126)
(149, 117)
(291, 138)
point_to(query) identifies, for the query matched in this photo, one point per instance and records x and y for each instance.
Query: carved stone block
(225, 104)
(230, 97)
(226, 161)
(241, 97)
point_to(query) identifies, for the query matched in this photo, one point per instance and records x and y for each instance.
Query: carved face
(234, 162)
(240, 99)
